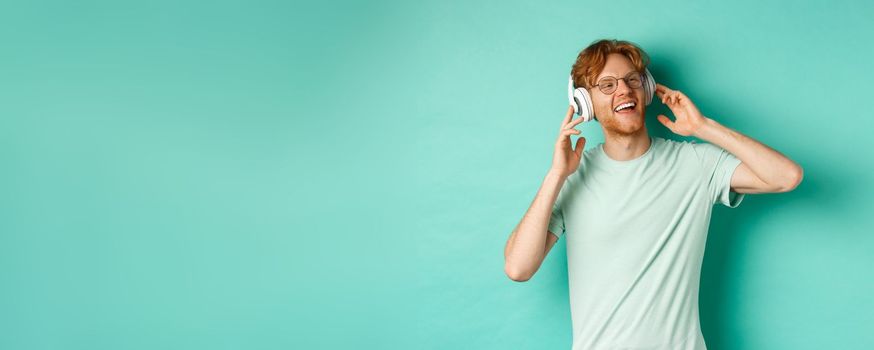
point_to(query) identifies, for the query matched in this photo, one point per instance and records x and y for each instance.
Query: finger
(581, 144)
(672, 97)
(574, 123)
(668, 100)
(567, 117)
(660, 90)
(569, 131)
(564, 138)
(666, 121)
(682, 96)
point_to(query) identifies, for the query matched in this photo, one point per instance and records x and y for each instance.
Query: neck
(626, 146)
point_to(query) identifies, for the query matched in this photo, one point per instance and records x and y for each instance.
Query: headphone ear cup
(581, 101)
(570, 95)
(584, 101)
(649, 86)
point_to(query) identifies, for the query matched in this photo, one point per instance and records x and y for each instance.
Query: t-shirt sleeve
(718, 166)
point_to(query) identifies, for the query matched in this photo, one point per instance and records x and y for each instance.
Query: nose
(622, 88)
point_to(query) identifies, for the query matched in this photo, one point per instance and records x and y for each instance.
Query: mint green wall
(274, 175)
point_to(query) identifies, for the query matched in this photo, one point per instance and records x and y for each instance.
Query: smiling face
(627, 121)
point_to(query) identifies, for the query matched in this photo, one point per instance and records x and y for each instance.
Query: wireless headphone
(581, 100)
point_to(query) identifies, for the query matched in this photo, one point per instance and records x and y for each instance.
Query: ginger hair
(591, 60)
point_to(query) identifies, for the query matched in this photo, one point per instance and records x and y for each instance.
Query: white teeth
(627, 104)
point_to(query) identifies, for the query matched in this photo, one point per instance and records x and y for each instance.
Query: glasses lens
(634, 81)
(607, 85)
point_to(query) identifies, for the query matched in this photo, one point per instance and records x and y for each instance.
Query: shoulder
(705, 154)
(673, 143)
(687, 151)
(590, 157)
(672, 146)
(706, 150)
(592, 154)
(686, 146)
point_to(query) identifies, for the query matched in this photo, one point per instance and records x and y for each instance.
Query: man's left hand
(689, 120)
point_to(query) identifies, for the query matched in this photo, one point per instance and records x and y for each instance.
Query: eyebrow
(608, 75)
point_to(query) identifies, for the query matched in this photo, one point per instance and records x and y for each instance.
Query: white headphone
(581, 100)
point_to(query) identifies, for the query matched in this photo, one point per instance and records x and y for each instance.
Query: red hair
(591, 61)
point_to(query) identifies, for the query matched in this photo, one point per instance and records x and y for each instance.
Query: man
(636, 209)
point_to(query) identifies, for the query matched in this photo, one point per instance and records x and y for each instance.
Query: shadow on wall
(729, 230)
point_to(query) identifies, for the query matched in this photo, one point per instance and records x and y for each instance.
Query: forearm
(769, 165)
(525, 248)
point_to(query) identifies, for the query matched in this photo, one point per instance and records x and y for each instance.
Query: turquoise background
(333, 175)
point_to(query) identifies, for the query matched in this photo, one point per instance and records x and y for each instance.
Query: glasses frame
(616, 84)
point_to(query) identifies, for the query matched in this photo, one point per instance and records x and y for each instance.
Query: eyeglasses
(608, 85)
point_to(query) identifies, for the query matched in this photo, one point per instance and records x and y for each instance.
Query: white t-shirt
(636, 232)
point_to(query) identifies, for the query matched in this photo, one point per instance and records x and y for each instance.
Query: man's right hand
(565, 160)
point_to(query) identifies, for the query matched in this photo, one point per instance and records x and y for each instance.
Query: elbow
(517, 274)
(794, 178)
